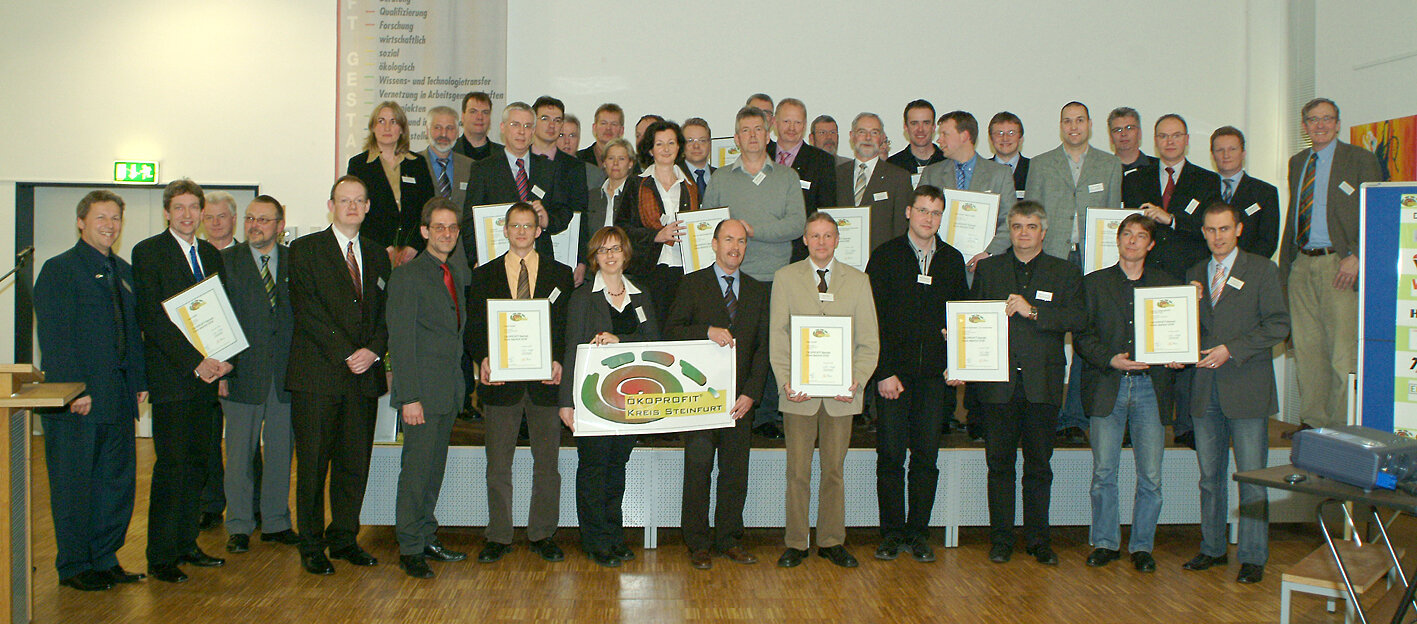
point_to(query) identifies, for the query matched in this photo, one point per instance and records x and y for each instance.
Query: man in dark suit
(823, 135)
(521, 273)
(1121, 395)
(337, 292)
(962, 168)
(88, 332)
(607, 125)
(698, 147)
(1242, 317)
(724, 305)
(1172, 191)
(516, 174)
(425, 317)
(182, 382)
(867, 180)
(1257, 200)
(1124, 131)
(920, 132)
(1045, 301)
(476, 121)
(912, 277)
(1318, 262)
(570, 172)
(568, 140)
(814, 167)
(257, 406)
(450, 169)
(1005, 139)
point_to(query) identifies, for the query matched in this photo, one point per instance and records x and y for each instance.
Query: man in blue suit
(88, 332)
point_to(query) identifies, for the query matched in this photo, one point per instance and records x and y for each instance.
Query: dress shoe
(167, 573)
(208, 520)
(890, 548)
(118, 575)
(1250, 573)
(355, 555)
(287, 537)
(238, 543)
(791, 558)
(1186, 439)
(1000, 553)
(701, 559)
(1204, 562)
(604, 559)
(200, 559)
(1103, 556)
(90, 580)
(738, 554)
(1143, 561)
(436, 552)
(493, 551)
(1072, 435)
(1289, 435)
(623, 552)
(1043, 554)
(415, 566)
(770, 431)
(921, 551)
(317, 563)
(838, 555)
(548, 550)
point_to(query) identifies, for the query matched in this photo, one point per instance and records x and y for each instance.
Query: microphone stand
(20, 259)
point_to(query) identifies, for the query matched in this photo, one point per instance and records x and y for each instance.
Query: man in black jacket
(912, 277)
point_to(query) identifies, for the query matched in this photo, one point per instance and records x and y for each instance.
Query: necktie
(860, 183)
(266, 279)
(781, 157)
(523, 282)
(354, 271)
(196, 265)
(699, 180)
(960, 182)
(1217, 283)
(1229, 190)
(521, 181)
(730, 299)
(821, 280)
(452, 292)
(1170, 188)
(1306, 200)
(118, 319)
(445, 188)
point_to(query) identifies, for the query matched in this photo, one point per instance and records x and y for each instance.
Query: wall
(1365, 59)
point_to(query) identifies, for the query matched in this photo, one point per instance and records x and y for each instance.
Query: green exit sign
(134, 172)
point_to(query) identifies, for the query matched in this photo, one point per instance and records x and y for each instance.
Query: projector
(1359, 456)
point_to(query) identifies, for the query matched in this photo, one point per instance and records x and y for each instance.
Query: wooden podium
(21, 391)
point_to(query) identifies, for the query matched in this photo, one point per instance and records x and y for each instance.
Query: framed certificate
(487, 221)
(853, 226)
(821, 355)
(725, 151)
(563, 245)
(970, 220)
(697, 246)
(978, 341)
(519, 339)
(1167, 323)
(204, 315)
(1100, 241)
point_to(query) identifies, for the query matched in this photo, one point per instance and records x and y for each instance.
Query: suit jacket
(699, 305)
(888, 213)
(1050, 182)
(161, 270)
(910, 314)
(1110, 331)
(1352, 165)
(989, 177)
(392, 223)
(458, 177)
(476, 153)
(1259, 201)
(78, 334)
(1179, 246)
(594, 177)
(332, 321)
(588, 155)
(492, 182)
(587, 314)
(815, 167)
(1035, 347)
(794, 293)
(1251, 317)
(489, 281)
(425, 325)
(268, 329)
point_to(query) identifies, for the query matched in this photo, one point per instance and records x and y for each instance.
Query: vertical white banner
(419, 53)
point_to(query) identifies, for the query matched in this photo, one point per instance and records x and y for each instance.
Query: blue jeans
(1250, 437)
(1136, 409)
(1072, 414)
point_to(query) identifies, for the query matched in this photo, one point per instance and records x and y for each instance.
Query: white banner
(654, 387)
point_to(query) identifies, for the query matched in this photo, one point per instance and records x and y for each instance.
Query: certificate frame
(1100, 238)
(853, 226)
(961, 363)
(503, 325)
(487, 222)
(564, 246)
(1181, 324)
(964, 209)
(698, 236)
(725, 151)
(204, 315)
(839, 331)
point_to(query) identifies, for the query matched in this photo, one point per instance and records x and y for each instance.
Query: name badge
(924, 279)
(758, 179)
(640, 313)
(806, 185)
(881, 196)
(1252, 209)
(1043, 295)
(98, 276)
(536, 190)
(1345, 187)
(408, 179)
(1234, 283)
(826, 297)
(462, 186)
(555, 294)
(1095, 188)
(1191, 207)
(1018, 194)
(379, 282)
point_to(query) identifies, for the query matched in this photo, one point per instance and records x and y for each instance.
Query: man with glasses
(823, 135)
(1124, 130)
(1005, 140)
(869, 181)
(698, 146)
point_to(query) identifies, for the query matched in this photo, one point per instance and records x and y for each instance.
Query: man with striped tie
(449, 168)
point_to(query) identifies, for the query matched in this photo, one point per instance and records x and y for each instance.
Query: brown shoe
(701, 559)
(737, 554)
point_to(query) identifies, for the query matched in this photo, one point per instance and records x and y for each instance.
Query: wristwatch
(1033, 312)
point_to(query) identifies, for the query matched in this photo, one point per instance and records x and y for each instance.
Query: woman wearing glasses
(650, 216)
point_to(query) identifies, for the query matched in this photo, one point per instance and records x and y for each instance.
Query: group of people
(391, 298)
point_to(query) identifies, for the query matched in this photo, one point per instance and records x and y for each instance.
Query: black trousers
(732, 446)
(92, 468)
(600, 490)
(912, 422)
(1009, 426)
(213, 488)
(182, 432)
(334, 437)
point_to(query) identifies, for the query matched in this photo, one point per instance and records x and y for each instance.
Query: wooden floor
(267, 584)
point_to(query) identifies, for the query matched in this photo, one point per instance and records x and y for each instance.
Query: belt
(1322, 251)
(1135, 373)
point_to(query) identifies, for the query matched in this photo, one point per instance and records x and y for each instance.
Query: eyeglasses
(933, 214)
(519, 125)
(345, 201)
(439, 228)
(262, 221)
(521, 226)
(696, 140)
(1126, 128)
(1327, 119)
(613, 249)
(1005, 133)
(1174, 136)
